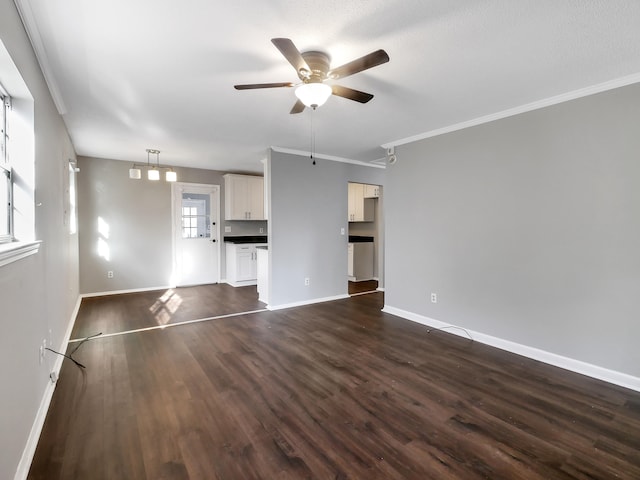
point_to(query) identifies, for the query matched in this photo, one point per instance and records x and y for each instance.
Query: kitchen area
(245, 215)
(245, 238)
(365, 233)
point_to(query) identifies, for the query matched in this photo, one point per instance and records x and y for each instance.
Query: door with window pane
(196, 246)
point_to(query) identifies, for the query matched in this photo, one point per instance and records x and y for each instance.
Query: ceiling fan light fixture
(313, 95)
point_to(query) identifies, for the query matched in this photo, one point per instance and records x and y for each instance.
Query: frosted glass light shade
(153, 174)
(135, 173)
(313, 94)
(171, 176)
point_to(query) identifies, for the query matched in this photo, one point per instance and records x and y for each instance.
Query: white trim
(12, 252)
(322, 156)
(362, 293)
(118, 292)
(547, 102)
(170, 325)
(242, 283)
(306, 302)
(577, 366)
(38, 423)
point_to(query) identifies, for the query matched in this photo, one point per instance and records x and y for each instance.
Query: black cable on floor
(70, 357)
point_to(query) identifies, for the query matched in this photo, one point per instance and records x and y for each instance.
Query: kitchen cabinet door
(242, 263)
(360, 209)
(244, 197)
(371, 191)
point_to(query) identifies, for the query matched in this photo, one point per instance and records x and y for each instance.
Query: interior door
(196, 229)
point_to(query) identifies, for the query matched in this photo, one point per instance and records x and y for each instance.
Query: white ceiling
(130, 75)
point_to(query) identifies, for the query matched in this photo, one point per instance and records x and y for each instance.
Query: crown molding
(547, 102)
(31, 27)
(322, 156)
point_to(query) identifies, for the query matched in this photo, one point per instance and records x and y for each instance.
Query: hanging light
(153, 171)
(171, 176)
(313, 94)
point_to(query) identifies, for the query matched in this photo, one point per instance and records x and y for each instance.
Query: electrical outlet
(227, 229)
(307, 282)
(261, 230)
(342, 231)
(110, 274)
(434, 298)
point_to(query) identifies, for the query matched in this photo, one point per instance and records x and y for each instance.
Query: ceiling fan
(313, 69)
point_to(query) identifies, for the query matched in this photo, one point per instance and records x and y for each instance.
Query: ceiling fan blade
(291, 53)
(363, 63)
(351, 94)
(251, 86)
(298, 107)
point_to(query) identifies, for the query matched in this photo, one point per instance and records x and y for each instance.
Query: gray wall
(528, 228)
(308, 207)
(138, 213)
(38, 294)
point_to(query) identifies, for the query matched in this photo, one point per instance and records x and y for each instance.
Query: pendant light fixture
(153, 171)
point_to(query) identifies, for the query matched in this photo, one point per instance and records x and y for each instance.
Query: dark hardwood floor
(362, 287)
(162, 307)
(334, 390)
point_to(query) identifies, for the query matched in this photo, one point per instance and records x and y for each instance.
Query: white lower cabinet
(242, 263)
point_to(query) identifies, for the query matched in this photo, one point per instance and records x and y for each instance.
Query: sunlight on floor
(165, 306)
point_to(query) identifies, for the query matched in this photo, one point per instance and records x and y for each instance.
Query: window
(195, 215)
(6, 210)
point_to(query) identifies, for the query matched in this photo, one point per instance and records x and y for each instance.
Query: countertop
(360, 239)
(247, 239)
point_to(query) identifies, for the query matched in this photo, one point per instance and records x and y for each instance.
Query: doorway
(365, 264)
(196, 233)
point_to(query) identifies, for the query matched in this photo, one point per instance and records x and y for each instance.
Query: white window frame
(6, 234)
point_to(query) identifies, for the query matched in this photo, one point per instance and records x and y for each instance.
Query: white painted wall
(527, 228)
(38, 294)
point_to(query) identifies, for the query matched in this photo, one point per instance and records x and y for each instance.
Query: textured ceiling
(129, 75)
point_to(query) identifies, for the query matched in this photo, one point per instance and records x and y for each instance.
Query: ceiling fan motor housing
(319, 63)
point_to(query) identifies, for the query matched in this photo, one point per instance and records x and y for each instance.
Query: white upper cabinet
(371, 191)
(360, 209)
(243, 197)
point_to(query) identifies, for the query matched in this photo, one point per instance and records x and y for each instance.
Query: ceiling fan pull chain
(313, 140)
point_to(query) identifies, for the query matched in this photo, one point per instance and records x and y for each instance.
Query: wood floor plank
(337, 390)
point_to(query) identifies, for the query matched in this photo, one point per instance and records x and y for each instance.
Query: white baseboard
(307, 302)
(118, 292)
(577, 366)
(36, 428)
(242, 283)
